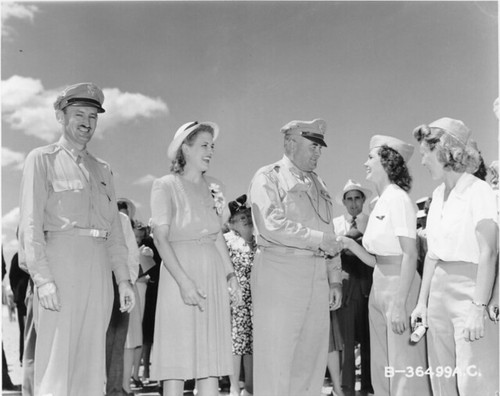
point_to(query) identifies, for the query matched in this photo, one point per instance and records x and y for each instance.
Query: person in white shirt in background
(134, 332)
(357, 280)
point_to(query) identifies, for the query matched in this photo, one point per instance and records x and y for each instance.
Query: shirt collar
(71, 148)
(296, 171)
(463, 182)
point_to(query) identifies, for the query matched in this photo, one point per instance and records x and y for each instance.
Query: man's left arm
(118, 255)
(334, 270)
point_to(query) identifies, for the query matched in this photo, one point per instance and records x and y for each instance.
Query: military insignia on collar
(380, 217)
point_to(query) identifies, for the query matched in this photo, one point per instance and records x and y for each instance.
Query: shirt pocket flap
(65, 185)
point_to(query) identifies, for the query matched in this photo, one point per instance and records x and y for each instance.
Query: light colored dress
(189, 343)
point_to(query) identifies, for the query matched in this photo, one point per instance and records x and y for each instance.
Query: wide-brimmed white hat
(183, 132)
(351, 185)
(130, 206)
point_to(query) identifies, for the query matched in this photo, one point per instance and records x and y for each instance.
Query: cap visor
(86, 104)
(321, 142)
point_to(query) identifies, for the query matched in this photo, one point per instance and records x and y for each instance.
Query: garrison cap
(313, 130)
(404, 149)
(82, 94)
(455, 128)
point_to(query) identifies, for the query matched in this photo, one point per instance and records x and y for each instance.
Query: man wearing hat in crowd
(72, 239)
(116, 333)
(295, 276)
(353, 315)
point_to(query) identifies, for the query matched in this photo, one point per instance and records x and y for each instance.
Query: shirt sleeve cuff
(316, 239)
(121, 274)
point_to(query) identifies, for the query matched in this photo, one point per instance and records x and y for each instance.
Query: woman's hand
(193, 295)
(344, 241)
(474, 323)
(419, 314)
(398, 317)
(127, 296)
(146, 251)
(335, 297)
(235, 292)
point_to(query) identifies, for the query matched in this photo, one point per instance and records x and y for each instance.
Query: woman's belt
(388, 259)
(283, 250)
(200, 241)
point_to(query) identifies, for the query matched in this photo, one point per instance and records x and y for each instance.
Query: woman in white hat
(389, 244)
(192, 337)
(459, 269)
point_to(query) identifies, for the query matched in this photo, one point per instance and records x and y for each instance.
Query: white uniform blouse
(393, 216)
(451, 225)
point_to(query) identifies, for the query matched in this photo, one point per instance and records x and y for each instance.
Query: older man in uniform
(295, 277)
(72, 239)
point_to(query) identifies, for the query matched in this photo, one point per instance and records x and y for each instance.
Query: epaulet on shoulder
(48, 149)
(271, 169)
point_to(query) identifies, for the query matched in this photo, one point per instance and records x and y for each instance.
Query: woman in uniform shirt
(389, 244)
(459, 268)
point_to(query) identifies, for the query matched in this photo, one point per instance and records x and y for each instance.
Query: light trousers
(394, 360)
(291, 324)
(474, 365)
(70, 345)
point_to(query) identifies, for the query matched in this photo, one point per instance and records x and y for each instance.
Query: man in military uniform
(71, 237)
(295, 278)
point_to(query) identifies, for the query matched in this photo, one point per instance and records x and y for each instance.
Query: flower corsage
(219, 200)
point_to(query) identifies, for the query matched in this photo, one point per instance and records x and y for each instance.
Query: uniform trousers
(355, 327)
(28, 385)
(70, 345)
(474, 365)
(391, 352)
(291, 323)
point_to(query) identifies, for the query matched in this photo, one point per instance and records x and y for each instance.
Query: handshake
(329, 245)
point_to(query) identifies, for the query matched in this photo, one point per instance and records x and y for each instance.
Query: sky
(364, 67)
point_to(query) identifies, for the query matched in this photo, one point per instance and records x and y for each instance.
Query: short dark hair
(179, 162)
(395, 167)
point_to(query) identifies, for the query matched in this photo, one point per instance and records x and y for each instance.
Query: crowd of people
(278, 294)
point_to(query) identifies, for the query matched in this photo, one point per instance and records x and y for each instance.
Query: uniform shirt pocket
(66, 185)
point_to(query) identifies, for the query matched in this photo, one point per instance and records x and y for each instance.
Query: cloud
(9, 226)
(11, 219)
(11, 157)
(12, 10)
(28, 107)
(145, 180)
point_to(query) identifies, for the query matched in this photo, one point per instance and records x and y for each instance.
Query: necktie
(81, 165)
(353, 223)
